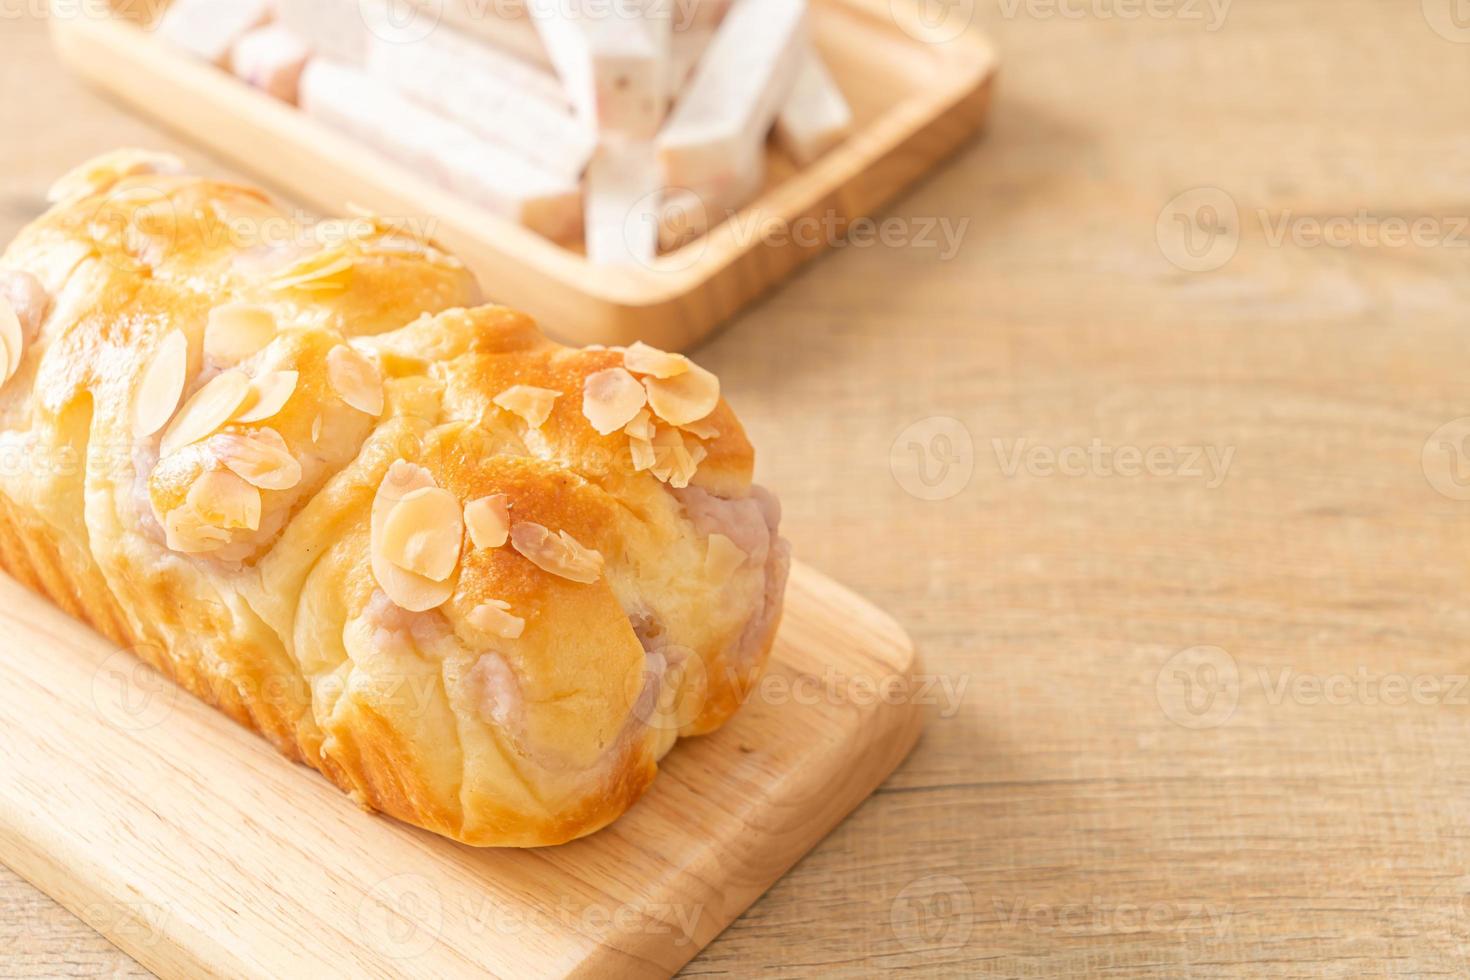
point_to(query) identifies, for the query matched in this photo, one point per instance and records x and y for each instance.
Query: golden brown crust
(244, 541)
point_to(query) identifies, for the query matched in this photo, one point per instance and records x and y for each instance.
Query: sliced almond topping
(210, 407)
(12, 338)
(423, 533)
(223, 500)
(100, 173)
(494, 618)
(28, 299)
(268, 394)
(701, 430)
(316, 429)
(488, 520)
(161, 385)
(408, 590)
(673, 462)
(643, 359)
(530, 403)
(722, 558)
(560, 554)
(643, 455)
(686, 399)
(355, 379)
(328, 269)
(262, 459)
(186, 532)
(612, 399)
(236, 331)
(642, 426)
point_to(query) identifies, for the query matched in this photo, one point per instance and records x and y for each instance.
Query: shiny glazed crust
(483, 737)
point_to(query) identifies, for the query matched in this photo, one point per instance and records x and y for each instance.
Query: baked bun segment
(481, 581)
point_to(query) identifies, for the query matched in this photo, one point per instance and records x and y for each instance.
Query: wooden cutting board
(192, 845)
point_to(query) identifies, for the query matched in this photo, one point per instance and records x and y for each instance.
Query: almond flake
(423, 532)
(28, 299)
(674, 463)
(268, 394)
(12, 337)
(355, 379)
(701, 430)
(488, 520)
(100, 173)
(316, 429)
(210, 407)
(328, 269)
(236, 331)
(642, 426)
(406, 589)
(223, 500)
(161, 385)
(186, 532)
(560, 554)
(611, 399)
(262, 458)
(643, 455)
(494, 617)
(643, 359)
(685, 399)
(530, 403)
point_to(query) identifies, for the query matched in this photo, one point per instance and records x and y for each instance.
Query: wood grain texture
(1089, 833)
(913, 103)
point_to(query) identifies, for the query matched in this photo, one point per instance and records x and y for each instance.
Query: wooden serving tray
(914, 101)
(192, 845)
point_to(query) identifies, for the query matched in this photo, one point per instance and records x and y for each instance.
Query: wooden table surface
(1170, 491)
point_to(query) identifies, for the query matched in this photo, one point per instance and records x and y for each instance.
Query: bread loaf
(480, 581)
